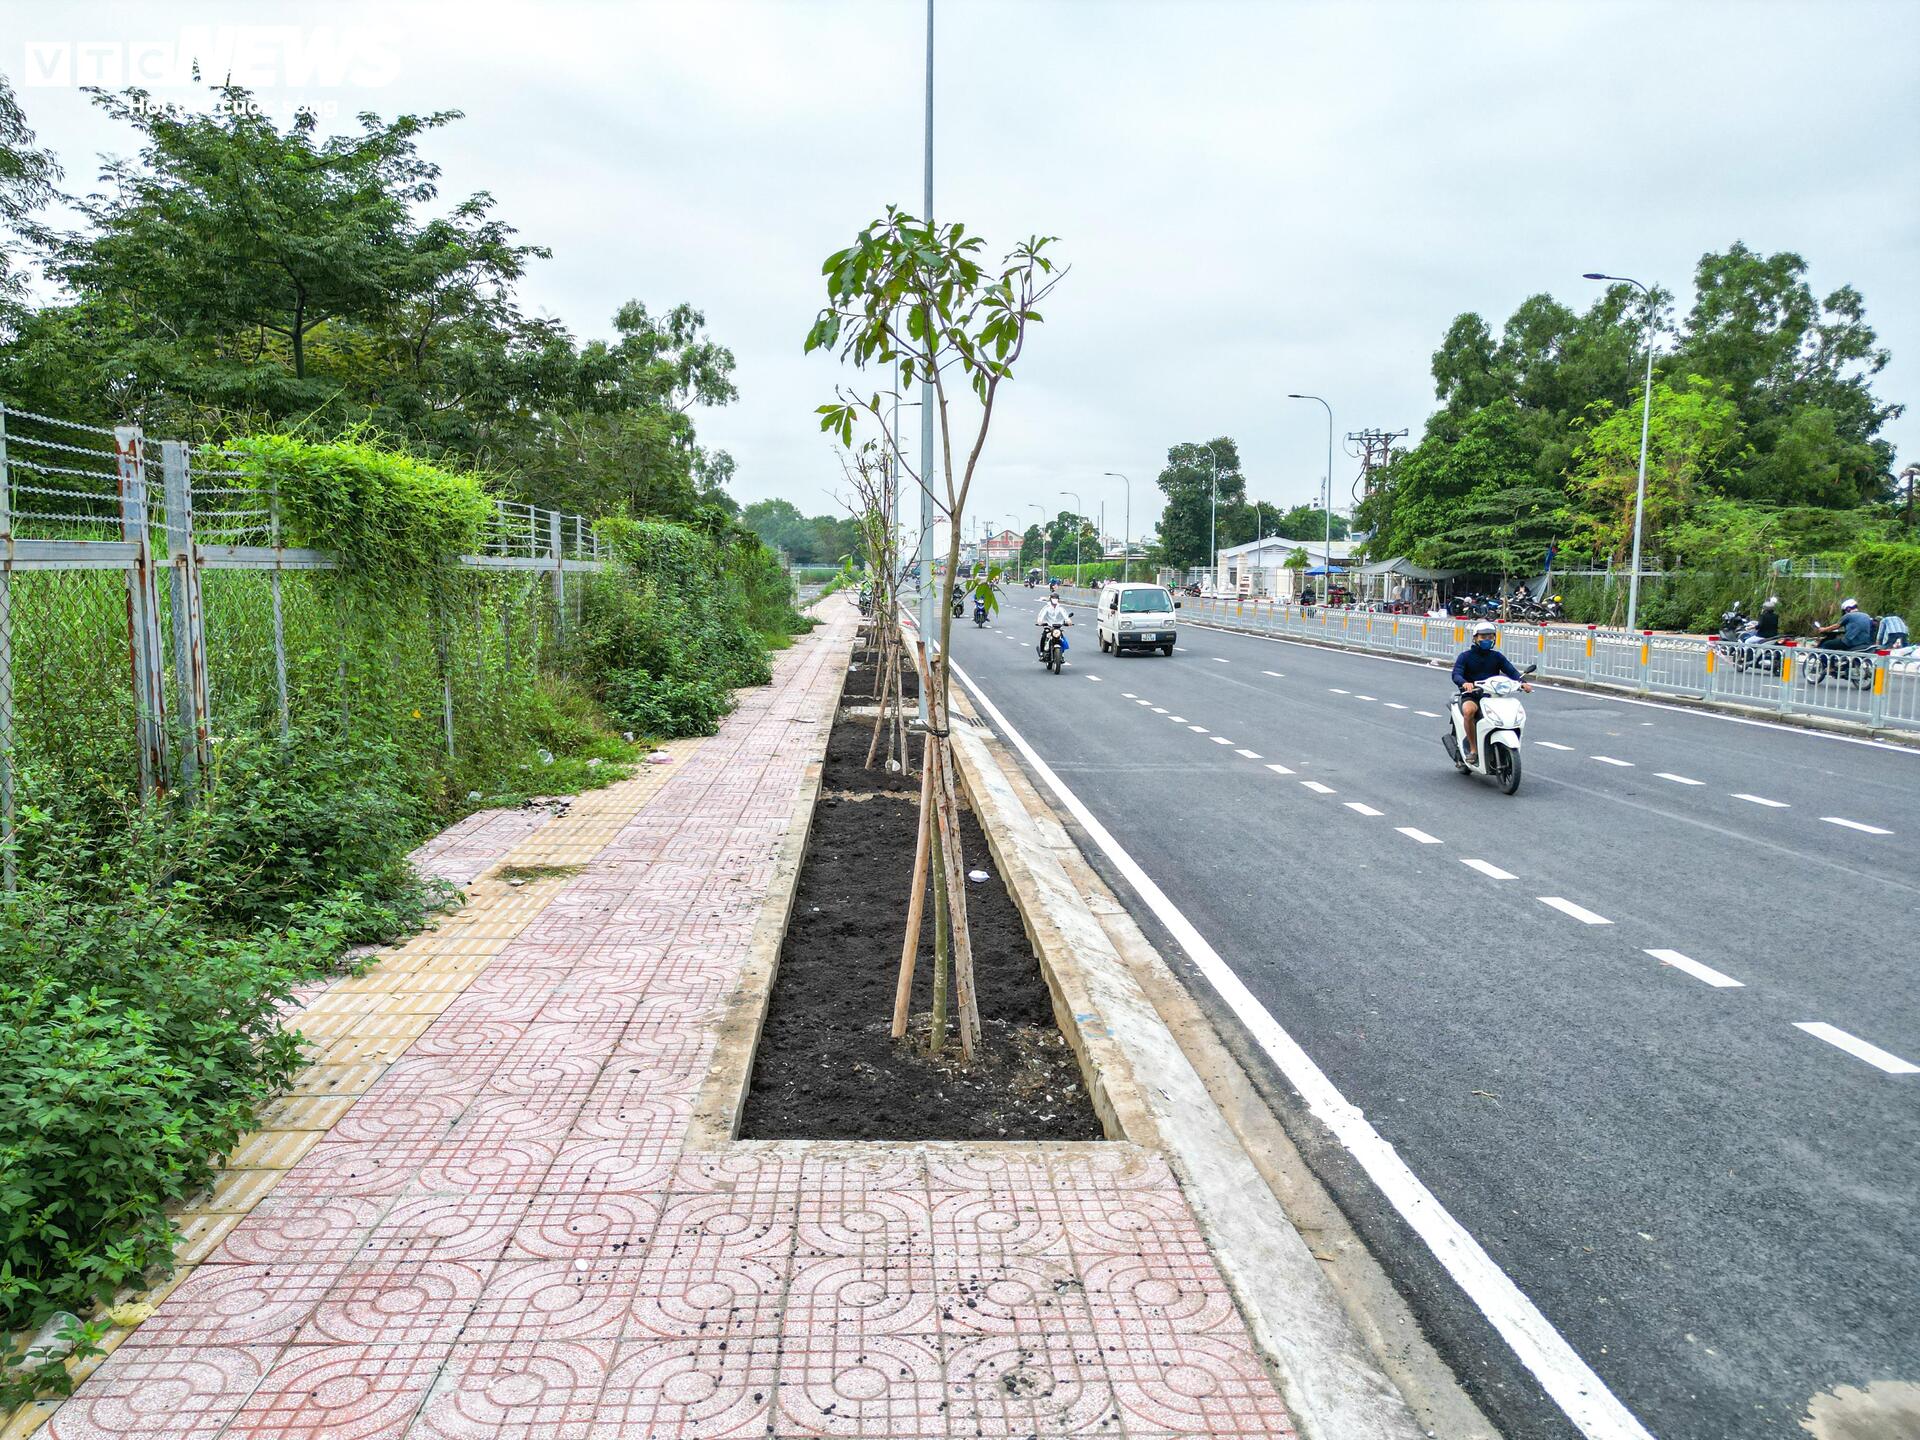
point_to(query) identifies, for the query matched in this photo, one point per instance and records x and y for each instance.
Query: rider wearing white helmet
(1480, 661)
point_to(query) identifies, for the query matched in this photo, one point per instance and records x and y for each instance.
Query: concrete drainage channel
(1342, 1348)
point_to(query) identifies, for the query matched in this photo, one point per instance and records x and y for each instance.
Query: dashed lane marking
(1198, 729)
(1128, 695)
(1391, 705)
(1761, 800)
(1578, 912)
(1279, 769)
(1251, 755)
(1855, 825)
(1419, 835)
(1220, 740)
(1176, 719)
(1093, 677)
(1676, 779)
(1159, 709)
(1488, 869)
(1430, 714)
(1363, 697)
(1335, 689)
(1359, 809)
(1609, 760)
(1276, 674)
(1550, 745)
(1318, 788)
(1857, 1047)
(1221, 659)
(1694, 968)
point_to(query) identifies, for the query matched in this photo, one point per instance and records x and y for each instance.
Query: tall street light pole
(1079, 524)
(1126, 540)
(1646, 421)
(1213, 523)
(926, 412)
(1326, 562)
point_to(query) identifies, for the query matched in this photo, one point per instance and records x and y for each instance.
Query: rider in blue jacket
(1479, 661)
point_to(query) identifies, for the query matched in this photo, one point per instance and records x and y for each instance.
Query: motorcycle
(1053, 645)
(1502, 718)
(959, 606)
(1831, 662)
(866, 601)
(980, 613)
(1740, 642)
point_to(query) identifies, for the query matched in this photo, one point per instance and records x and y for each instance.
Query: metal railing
(92, 518)
(1872, 688)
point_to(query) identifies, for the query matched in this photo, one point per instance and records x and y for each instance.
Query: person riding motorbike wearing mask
(1852, 631)
(1051, 613)
(1769, 619)
(1479, 661)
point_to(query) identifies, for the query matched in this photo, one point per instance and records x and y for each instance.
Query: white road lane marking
(1676, 779)
(1335, 689)
(1159, 709)
(1420, 835)
(1550, 745)
(1128, 695)
(1855, 825)
(1251, 755)
(1696, 969)
(1392, 705)
(1093, 677)
(1198, 729)
(1430, 714)
(1363, 697)
(1578, 912)
(1488, 869)
(1176, 719)
(1609, 760)
(1318, 788)
(1279, 769)
(1276, 674)
(1220, 740)
(1855, 1046)
(1571, 1383)
(1221, 658)
(1148, 703)
(1762, 800)
(1359, 809)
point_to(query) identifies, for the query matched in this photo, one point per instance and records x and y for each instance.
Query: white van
(1136, 617)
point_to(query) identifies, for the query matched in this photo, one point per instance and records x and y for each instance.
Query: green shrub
(1886, 577)
(386, 512)
(664, 707)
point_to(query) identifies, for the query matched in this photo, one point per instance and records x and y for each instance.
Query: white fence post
(189, 623)
(143, 612)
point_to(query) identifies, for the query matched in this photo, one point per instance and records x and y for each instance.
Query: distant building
(1002, 549)
(1260, 567)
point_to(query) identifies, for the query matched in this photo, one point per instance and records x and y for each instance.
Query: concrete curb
(1334, 1383)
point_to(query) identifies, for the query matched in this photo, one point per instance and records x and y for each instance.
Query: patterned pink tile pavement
(504, 1239)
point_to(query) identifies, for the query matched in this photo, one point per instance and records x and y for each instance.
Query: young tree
(914, 293)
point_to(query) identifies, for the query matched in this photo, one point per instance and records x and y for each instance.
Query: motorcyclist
(1051, 613)
(1852, 631)
(1769, 622)
(1479, 661)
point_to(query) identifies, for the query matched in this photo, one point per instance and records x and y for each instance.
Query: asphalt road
(1715, 1208)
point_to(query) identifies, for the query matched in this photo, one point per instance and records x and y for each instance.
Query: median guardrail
(1874, 688)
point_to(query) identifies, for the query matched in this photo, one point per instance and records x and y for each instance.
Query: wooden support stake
(903, 992)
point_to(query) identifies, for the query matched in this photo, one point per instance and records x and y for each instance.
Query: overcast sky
(1255, 197)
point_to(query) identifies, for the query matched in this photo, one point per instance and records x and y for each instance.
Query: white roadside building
(1260, 567)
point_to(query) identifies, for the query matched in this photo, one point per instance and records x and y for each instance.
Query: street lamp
(1326, 578)
(1126, 540)
(1213, 522)
(1079, 524)
(1646, 420)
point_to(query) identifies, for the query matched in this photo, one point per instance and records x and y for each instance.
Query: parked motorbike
(1053, 645)
(1502, 719)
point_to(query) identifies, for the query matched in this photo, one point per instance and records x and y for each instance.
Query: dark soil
(827, 1069)
(860, 682)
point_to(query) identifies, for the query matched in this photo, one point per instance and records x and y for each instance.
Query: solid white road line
(1762, 800)
(1279, 769)
(1571, 1383)
(1609, 760)
(1250, 754)
(1578, 912)
(1276, 674)
(1676, 779)
(1220, 740)
(1550, 745)
(1855, 825)
(1491, 871)
(1696, 969)
(1420, 835)
(1392, 706)
(1855, 1046)
(1359, 809)
(1318, 788)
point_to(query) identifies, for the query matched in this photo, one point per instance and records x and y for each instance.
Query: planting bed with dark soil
(827, 1068)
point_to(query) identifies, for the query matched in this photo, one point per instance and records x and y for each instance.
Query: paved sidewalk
(477, 1218)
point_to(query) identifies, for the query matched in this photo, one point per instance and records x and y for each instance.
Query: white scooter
(1502, 718)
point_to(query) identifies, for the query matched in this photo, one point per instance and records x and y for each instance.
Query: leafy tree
(1309, 522)
(1032, 547)
(1499, 530)
(1188, 518)
(28, 175)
